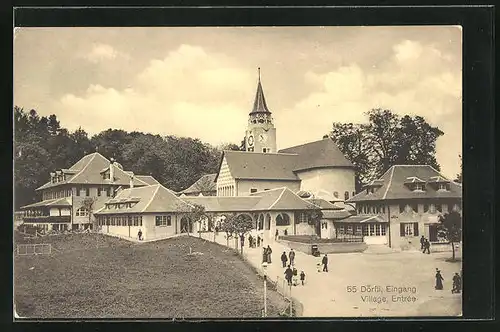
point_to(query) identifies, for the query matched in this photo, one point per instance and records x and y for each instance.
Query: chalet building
(63, 205)
(401, 206)
(158, 212)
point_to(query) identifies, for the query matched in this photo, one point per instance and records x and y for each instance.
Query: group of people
(266, 254)
(291, 276)
(254, 242)
(457, 282)
(425, 245)
(284, 257)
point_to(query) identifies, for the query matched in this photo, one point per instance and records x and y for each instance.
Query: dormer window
(442, 187)
(418, 187)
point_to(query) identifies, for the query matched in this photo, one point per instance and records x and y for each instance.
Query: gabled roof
(148, 179)
(281, 199)
(363, 219)
(318, 154)
(262, 166)
(224, 204)
(336, 214)
(88, 171)
(206, 183)
(322, 204)
(413, 179)
(394, 187)
(64, 201)
(259, 104)
(155, 198)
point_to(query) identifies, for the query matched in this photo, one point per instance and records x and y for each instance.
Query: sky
(200, 82)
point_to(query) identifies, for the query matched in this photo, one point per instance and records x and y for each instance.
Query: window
(250, 149)
(443, 186)
(253, 190)
(377, 229)
(426, 208)
(346, 195)
(350, 230)
(414, 207)
(113, 221)
(266, 150)
(409, 229)
(108, 192)
(372, 229)
(383, 208)
(359, 230)
(108, 221)
(282, 219)
(136, 220)
(439, 207)
(163, 220)
(98, 191)
(341, 230)
(129, 223)
(87, 191)
(382, 229)
(119, 221)
(432, 208)
(365, 230)
(77, 191)
(82, 212)
(353, 193)
(360, 209)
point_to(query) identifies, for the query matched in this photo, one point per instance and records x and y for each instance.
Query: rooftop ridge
(263, 153)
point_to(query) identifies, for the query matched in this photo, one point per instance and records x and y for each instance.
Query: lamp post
(264, 267)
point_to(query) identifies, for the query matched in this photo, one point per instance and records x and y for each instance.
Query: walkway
(326, 295)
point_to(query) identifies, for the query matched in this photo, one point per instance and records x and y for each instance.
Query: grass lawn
(95, 276)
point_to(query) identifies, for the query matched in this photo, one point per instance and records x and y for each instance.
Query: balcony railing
(47, 219)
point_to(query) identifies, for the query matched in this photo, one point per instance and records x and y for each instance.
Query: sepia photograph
(237, 172)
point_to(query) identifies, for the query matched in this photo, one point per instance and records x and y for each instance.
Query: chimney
(112, 170)
(132, 181)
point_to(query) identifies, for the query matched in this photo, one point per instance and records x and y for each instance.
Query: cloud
(417, 79)
(103, 52)
(188, 93)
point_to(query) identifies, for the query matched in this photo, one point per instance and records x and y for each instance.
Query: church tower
(260, 134)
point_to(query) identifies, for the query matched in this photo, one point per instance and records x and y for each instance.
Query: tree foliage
(459, 175)
(237, 226)
(387, 139)
(42, 145)
(451, 224)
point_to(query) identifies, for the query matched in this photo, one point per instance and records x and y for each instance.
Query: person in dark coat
(292, 257)
(295, 276)
(284, 259)
(269, 252)
(258, 240)
(427, 246)
(288, 275)
(422, 243)
(325, 263)
(250, 241)
(439, 280)
(457, 284)
(264, 255)
(302, 277)
(139, 235)
(276, 235)
(285, 232)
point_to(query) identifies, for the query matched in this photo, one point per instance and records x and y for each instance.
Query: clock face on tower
(250, 140)
(262, 138)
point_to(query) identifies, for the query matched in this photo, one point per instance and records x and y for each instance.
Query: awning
(49, 202)
(363, 219)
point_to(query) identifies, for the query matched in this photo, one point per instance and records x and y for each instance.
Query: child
(302, 277)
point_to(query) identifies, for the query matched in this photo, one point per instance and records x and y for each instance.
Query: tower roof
(259, 105)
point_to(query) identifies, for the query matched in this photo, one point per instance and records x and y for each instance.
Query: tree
(451, 224)
(196, 213)
(386, 140)
(237, 226)
(89, 204)
(459, 175)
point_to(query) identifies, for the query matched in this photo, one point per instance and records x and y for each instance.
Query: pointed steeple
(259, 105)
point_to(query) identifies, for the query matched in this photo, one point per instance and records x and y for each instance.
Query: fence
(34, 249)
